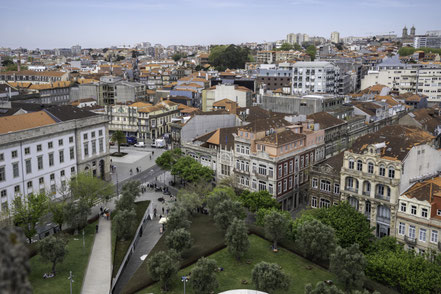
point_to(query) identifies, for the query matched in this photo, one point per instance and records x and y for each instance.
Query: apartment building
(315, 77)
(57, 93)
(36, 77)
(381, 166)
(427, 42)
(301, 104)
(114, 90)
(40, 151)
(419, 217)
(238, 94)
(272, 78)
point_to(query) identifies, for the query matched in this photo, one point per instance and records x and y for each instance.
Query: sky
(49, 24)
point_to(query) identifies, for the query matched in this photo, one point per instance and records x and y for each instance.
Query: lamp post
(184, 279)
(71, 281)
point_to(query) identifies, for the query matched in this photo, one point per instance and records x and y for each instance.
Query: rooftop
(20, 122)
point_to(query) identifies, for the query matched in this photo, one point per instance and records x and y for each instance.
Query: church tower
(412, 31)
(404, 32)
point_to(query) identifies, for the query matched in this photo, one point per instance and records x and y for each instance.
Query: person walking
(154, 213)
(96, 228)
(163, 210)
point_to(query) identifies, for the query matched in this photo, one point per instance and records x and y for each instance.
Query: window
(17, 189)
(359, 165)
(279, 187)
(4, 193)
(29, 184)
(280, 170)
(51, 159)
(403, 207)
(314, 202)
(14, 154)
(413, 209)
(290, 182)
(28, 166)
(93, 134)
(424, 212)
(238, 148)
(100, 132)
(15, 170)
(53, 189)
(315, 183)
(285, 168)
(324, 202)
(291, 164)
(71, 139)
(382, 170)
(40, 162)
(402, 229)
(62, 173)
(423, 235)
(27, 150)
(336, 188)
(61, 154)
(2, 174)
(50, 145)
(262, 186)
(86, 148)
(434, 236)
(391, 172)
(72, 169)
(41, 181)
(370, 168)
(285, 185)
(412, 232)
(72, 153)
(39, 147)
(101, 142)
(60, 142)
(438, 212)
(270, 188)
(225, 169)
(85, 136)
(325, 186)
(254, 184)
(52, 177)
(2, 156)
(93, 147)
(270, 171)
(351, 163)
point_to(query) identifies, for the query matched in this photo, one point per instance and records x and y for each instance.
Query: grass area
(120, 247)
(76, 261)
(207, 240)
(300, 270)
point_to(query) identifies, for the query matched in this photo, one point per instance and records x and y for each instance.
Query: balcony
(411, 241)
(260, 176)
(351, 189)
(382, 197)
(236, 170)
(367, 193)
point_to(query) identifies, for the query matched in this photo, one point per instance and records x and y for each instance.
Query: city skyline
(55, 24)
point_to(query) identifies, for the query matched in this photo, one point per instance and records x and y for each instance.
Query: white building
(335, 37)
(427, 41)
(40, 151)
(314, 77)
(241, 95)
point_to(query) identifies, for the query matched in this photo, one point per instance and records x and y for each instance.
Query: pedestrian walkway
(99, 269)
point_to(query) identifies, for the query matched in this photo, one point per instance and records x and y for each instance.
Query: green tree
(228, 56)
(316, 240)
(269, 277)
(132, 187)
(14, 265)
(57, 211)
(85, 186)
(236, 238)
(119, 138)
(311, 50)
(129, 193)
(177, 56)
(190, 201)
(163, 267)
(53, 249)
(262, 212)
(167, 159)
(179, 240)
(323, 288)
(76, 214)
(257, 200)
(276, 226)
(406, 51)
(178, 218)
(28, 210)
(350, 225)
(190, 170)
(219, 194)
(125, 224)
(307, 215)
(226, 211)
(285, 47)
(297, 47)
(203, 278)
(348, 265)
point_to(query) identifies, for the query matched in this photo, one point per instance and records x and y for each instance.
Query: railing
(410, 241)
(351, 189)
(382, 197)
(367, 193)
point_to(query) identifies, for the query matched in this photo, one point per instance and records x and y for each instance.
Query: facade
(335, 132)
(315, 77)
(303, 105)
(380, 166)
(40, 151)
(419, 217)
(274, 78)
(427, 42)
(114, 90)
(36, 77)
(324, 178)
(241, 95)
(335, 37)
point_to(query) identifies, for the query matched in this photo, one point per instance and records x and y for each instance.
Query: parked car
(140, 144)
(111, 143)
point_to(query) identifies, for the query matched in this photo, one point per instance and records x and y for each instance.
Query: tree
(311, 50)
(190, 170)
(76, 214)
(14, 265)
(219, 194)
(53, 249)
(125, 224)
(179, 240)
(119, 138)
(129, 193)
(269, 277)
(85, 186)
(236, 238)
(226, 211)
(262, 212)
(286, 47)
(203, 278)
(28, 210)
(276, 226)
(132, 187)
(348, 264)
(167, 159)
(350, 225)
(177, 56)
(322, 288)
(178, 218)
(190, 201)
(257, 200)
(297, 47)
(228, 56)
(163, 266)
(57, 211)
(316, 240)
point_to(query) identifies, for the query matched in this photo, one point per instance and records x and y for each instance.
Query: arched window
(353, 202)
(391, 172)
(351, 163)
(351, 184)
(359, 165)
(370, 168)
(382, 170)
(367, 188)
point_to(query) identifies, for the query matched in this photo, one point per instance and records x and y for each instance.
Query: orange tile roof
(140, 104)
(20, 122)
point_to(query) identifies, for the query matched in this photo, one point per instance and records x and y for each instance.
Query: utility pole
(71, 281)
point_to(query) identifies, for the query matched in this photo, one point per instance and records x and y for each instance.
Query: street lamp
(184, 279)
(71, 281)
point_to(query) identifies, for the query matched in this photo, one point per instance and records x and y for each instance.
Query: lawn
(207, 239)
(300, 270)
(119, 247)
(76, 261)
